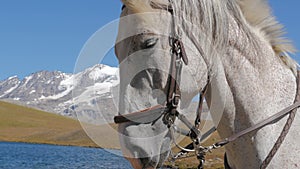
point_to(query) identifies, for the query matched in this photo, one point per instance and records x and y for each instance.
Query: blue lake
(39, 156)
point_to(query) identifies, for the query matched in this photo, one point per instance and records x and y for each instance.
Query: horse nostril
(149, 43)
(147, 163)
(144, 161)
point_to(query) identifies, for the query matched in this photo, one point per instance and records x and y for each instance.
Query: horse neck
(256, 76)
(254, 84)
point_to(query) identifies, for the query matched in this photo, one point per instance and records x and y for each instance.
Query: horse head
(144, 49)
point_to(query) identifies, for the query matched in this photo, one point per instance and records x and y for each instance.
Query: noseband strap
(143, 116)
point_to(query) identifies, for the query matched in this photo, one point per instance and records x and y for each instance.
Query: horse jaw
(142, 149)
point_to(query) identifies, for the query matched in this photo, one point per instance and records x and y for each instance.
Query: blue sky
(49, 34)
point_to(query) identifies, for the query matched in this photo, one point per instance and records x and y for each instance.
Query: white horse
(239, 45)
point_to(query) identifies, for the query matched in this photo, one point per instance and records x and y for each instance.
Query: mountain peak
(63, 93)
(13, 77)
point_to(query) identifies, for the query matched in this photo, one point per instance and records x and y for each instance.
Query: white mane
(259, 14)
(214, 14)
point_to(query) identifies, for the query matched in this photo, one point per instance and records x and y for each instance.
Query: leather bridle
(169, 111)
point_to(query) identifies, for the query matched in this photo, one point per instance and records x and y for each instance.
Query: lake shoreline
(58, 144)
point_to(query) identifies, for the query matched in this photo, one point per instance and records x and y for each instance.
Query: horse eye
(149, 43)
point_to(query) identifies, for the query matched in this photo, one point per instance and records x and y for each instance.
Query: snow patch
(67, 85)
(42, 97)
(96, 74)
(27, 79)
(94, 92)
(12, 77)
(102, 72)
(9, 90)
(110, 70)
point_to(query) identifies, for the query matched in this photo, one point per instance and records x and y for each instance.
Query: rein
(169, 111)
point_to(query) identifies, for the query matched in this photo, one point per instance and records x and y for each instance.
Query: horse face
(143, 51)
(144, 55)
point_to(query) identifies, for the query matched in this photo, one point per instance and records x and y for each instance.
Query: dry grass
(214, 160)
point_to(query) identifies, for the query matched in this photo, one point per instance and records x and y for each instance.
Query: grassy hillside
(22, 124)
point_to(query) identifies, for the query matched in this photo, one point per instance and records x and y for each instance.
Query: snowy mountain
(87, 95)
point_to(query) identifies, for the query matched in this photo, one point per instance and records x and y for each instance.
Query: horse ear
(138, 6)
